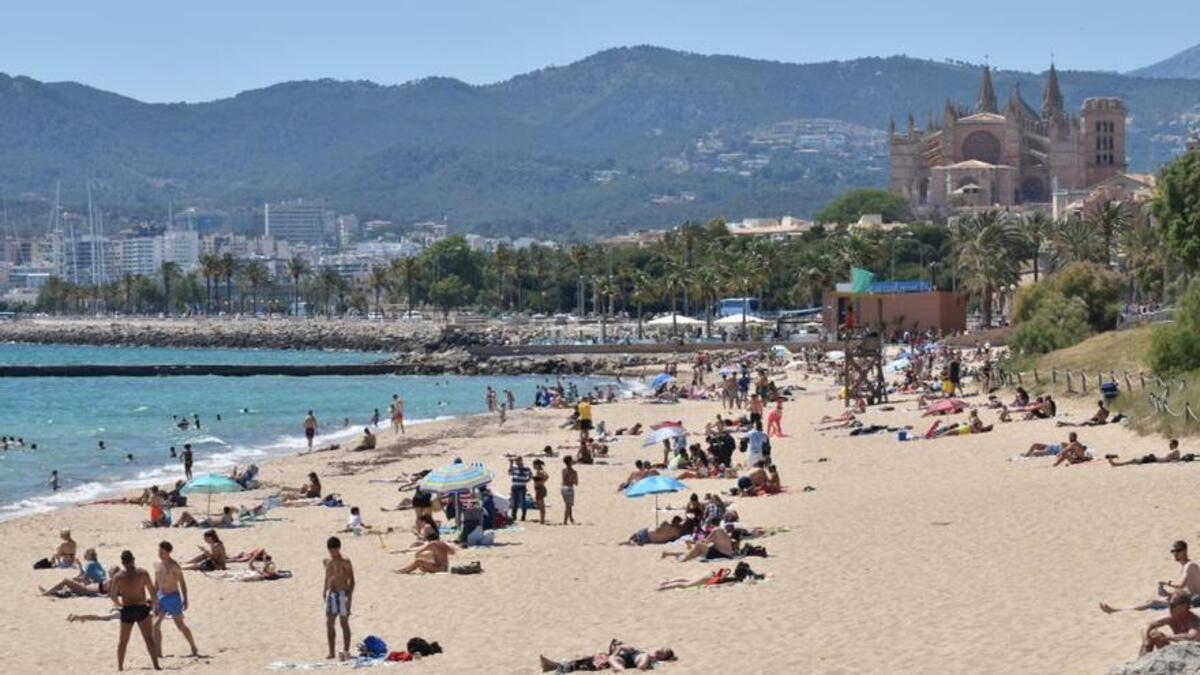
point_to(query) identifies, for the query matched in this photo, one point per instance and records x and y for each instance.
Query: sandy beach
(930, 556)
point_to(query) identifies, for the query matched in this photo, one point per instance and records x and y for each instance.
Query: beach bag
(43, 564)
(469, 568)
(749, 551)
(421, 646)
(373, 647)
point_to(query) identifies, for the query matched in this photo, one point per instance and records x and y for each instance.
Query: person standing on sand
(570, 479)
(520, 475)
(133, 592)
(338, 593)
(187, 460)
(397, 409)
(775, 420)
(172, 597)
(539, 488)
(310, 428)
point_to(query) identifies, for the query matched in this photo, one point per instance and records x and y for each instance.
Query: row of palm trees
(993, 248)
(686, 272)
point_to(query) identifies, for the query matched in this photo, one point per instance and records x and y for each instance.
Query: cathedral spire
(1052, 99)
(986, 103)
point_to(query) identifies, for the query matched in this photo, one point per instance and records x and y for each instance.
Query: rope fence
(1157, 390)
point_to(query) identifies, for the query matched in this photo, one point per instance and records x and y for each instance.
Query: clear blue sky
(168, 50)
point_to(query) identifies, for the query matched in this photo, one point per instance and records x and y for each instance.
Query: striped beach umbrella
(457, 477)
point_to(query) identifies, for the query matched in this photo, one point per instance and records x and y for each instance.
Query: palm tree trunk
(639, 314)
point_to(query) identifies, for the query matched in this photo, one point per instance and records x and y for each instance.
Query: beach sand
(938, 556)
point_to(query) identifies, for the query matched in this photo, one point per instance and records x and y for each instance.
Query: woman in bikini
(539, 488)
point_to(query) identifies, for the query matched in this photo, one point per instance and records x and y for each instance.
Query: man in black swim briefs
(133, 591)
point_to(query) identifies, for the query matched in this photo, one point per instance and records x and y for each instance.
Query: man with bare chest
(133, 592)
(338, 593)
(172, 597)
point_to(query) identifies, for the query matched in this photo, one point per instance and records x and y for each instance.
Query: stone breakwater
(238, 334)
(418, 348)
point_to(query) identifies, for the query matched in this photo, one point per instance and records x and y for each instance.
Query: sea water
(261, 417)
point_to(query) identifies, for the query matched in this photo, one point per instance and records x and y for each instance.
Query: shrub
(1174, 348)
(1098, 288)
(1057, 323)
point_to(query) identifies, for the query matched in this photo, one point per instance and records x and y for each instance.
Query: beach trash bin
(1110, 389)
(902, 435)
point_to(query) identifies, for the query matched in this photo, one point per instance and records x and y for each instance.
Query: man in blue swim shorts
(172, 597)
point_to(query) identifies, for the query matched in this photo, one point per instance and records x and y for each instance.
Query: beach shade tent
(945, 406)
(897, 365)
(835, 356)
(654, 485)
(661, 380)
(662, 434)
(781, 352)
(736, 320)
(674, 320)
(455, 478)
(728, 370)
(208, 484)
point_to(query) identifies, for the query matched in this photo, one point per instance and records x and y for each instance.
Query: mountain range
(624, 139)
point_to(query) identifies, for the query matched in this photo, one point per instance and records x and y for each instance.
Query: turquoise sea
(260, 417)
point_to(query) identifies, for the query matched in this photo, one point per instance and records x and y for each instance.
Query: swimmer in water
(101, 446)
(54, 480)
(129, 457)
(172, 452)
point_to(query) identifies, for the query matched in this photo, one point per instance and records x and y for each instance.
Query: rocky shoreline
(416, 348)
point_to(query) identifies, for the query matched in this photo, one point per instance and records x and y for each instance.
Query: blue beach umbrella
(457, 477)
(660, 381)
(208, 484)
(654, 485)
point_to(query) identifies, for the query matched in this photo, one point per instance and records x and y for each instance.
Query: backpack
(373, 647)
(420, 646)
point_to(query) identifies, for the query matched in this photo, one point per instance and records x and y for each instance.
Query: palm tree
(674, 280)
(229, 267)
(297, 269)
(210, 266)
(1076, 240)
(127, 281)
(580, 254)
(987, 256)
(169, 272)
(1036, 228)
(328, 280)
(408, 269)
(1110, 219)
(379, 281)
(1141, 245)
(643, 290)
(257, 275)
(707, 282)
(741, 273)
(605, 288)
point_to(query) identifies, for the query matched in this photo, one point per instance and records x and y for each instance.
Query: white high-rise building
(181, 247)
(139, 255)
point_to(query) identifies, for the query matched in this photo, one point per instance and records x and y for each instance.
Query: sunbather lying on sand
(663, 534)
(721, 576)
(226, 520)
(618, 657)
(1051, 449)
(716, 544)
(432, 557)
(1173, 455)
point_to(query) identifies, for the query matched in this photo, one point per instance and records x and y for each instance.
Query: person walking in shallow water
(310, 428)
(187, 460)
